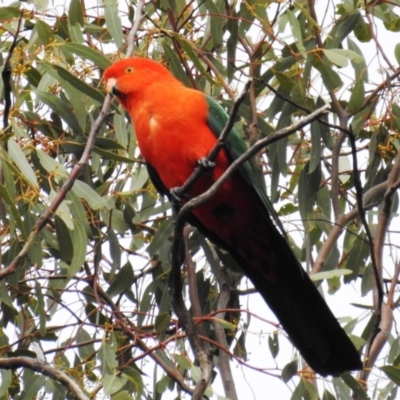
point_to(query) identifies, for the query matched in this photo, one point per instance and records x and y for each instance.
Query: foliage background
(86, 288)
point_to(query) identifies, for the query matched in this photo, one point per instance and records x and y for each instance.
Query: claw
(176, 196)
(206, 164)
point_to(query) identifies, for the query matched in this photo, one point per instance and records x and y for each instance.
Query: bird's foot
(206, 164)
(176, 195)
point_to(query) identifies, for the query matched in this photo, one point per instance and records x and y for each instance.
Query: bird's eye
(129, 70)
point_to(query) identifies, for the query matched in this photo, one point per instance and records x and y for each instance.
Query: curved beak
(111, 86)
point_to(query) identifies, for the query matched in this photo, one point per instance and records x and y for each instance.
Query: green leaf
(75, 13)
(225, 324)
(362, 30)
(122, 131)
(316, 146)
(162, 235)
(6, 375)
(145, 302)
(328, 395)
(135, 379)
(175, 65)
(5, 196)
(87, 53)
(341, 29)
(183, 362)
(341, 57)
(9, 13)
(113, 21)
(330, 78)
(61, 108)
(18, 156)
(342, 390)
(308, 187)
(112, 383)
(79, 84)
(108, 359)
(194, 57)
(360, 68)
(40, 309)
(335, 273)
(32, 387)
(231, 46)
(84, 191)
(273, 343)
(397, 53)
(289, 371)
(75, 35)
(110, 155)
(79, 244)
(33, 75)
(44, 32)
(162, 385)
(305, 390)
(216, 19)
(122, 281)
(357, 96)
(115, 251)
(52, 166)
(94, 315)
(392, 373)
(296, 30)
(162, 321)
(62, 211)
(196, 376)
(123, 395)
(358, 256)
(64, 238)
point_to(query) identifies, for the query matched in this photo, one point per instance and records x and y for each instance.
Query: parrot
(176, 127)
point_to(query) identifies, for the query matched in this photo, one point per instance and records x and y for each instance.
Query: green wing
(236, 146)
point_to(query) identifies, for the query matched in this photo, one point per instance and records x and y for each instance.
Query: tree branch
(223, 356)
(134, 29)
(46, 369)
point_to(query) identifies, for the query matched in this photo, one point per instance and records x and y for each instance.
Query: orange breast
(173, 136)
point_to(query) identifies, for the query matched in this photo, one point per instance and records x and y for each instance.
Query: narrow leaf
(296, 30)
(175, 65)
(336, 273)
(87, 53)
(84, 191)
(18, 156)
(79, 244)
(113, 21)
(61, 108)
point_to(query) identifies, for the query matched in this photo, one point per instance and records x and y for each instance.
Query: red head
(132, 76)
